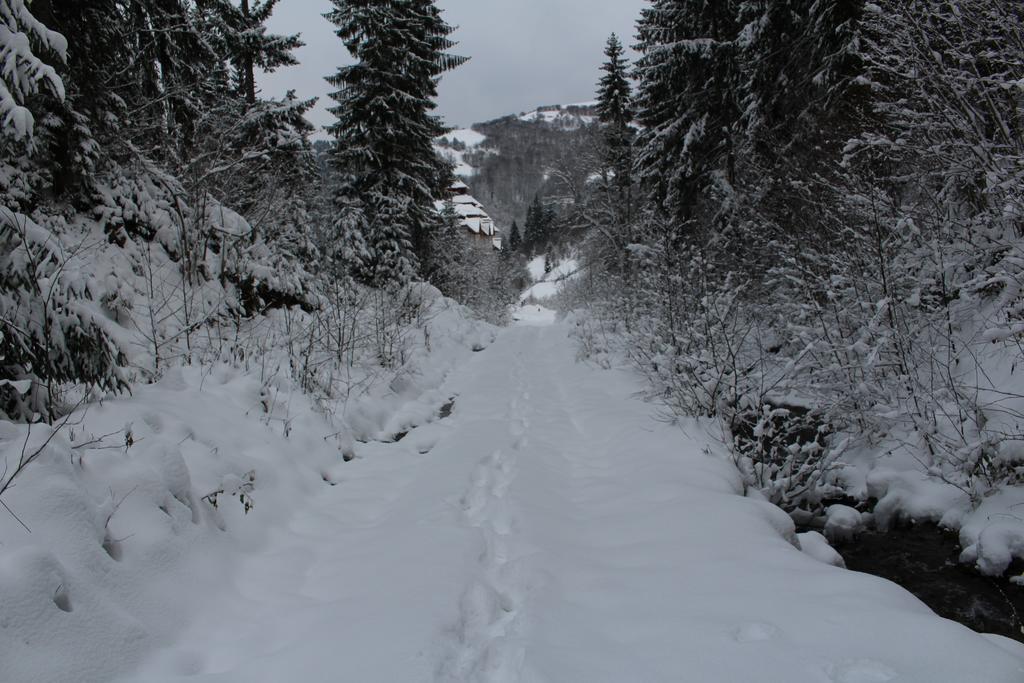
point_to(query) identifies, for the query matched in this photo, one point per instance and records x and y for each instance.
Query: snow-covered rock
(842, 523)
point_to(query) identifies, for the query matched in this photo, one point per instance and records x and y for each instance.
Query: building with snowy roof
(479, 225)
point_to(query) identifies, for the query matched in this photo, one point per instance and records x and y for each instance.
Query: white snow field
(547, 285)
(550, 530)
(468, 137)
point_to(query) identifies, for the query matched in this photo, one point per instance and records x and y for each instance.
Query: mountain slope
(509, 160)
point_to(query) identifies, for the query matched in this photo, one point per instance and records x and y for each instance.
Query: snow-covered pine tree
(94, 109)
(432, 59)
(175, 73)
(548, 224)
(373, 107)
(686, 103)
(26, 73)
(455, 278)
(615, 111)
(798, 59)
(609, 213)
(383, 152)
(248, 43)
(268, 137)
(50, 330)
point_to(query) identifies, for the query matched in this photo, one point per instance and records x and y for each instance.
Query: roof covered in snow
(474, 217)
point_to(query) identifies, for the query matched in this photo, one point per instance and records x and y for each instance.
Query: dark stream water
(923, 559)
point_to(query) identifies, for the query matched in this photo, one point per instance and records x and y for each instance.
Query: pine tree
(176, 72)
(798, 58)
(24, 72)
(534, 226)
(549, 220)
(514, 239)
(269, 136)
(686, 102)
(610, 213)
(384, 135)
(454, 277)
(539, 228)
(50, 332)
(94, 107)
(248, 44)
(431, 60)
(615, 110)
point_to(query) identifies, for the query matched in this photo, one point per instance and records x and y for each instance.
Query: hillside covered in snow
(715, 378)
(513, 159)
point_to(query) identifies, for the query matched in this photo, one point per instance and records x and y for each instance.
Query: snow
(554, 530)
(22, 73)
(468, 137)
(564, 270)
(143, 508)
(533, 315)
(462, 168)
(540, 291)
(842, 522)
(568, 116)
(815, 545)
(548, 285)
(536, 267)
(993, 534)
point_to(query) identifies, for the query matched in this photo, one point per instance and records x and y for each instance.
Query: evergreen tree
(95, 107)
(248, 44)
(270, 137)
(454, 278)
(176, 71)
(430, 60)
(615, 111)
(534, 226)
(49, 331)
(548, 223)
(686, 103)
(514, 239)
(539, 227)
(798, 58)
(610, 210)
(798, 61)
(24, 72)
(388, 170)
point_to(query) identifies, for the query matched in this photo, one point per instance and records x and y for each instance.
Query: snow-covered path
(552, 531)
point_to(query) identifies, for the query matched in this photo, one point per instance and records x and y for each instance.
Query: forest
(787, 241)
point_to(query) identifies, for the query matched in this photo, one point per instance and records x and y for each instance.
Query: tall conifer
(389, 172)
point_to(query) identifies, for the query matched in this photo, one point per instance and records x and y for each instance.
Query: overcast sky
(524, 53)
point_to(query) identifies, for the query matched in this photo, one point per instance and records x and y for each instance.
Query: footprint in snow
(473, 503)
(754, 632)
(187, 664)
(154, 422)
(426, 443)
(502, 522)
